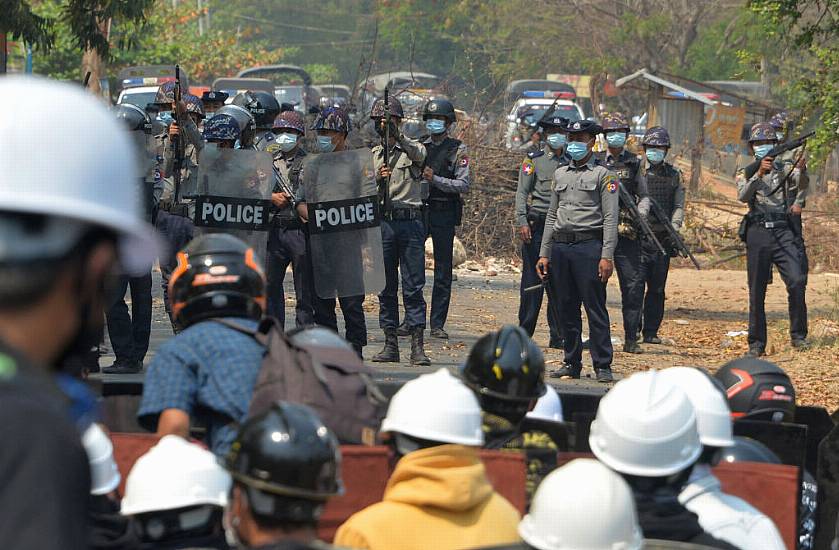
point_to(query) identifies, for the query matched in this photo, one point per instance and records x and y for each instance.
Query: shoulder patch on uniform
(535, 154)
(527, 166)
(464, 161)
(612, 183)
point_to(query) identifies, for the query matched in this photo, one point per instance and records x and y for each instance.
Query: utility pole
(200, 17)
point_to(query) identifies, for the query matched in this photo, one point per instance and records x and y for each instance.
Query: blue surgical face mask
(556, 141)
(762, 150)
(616, 139)
(286, 141)
(435, 126)
(655, 156)
(577, 150)
(325, 144)
(165, 117)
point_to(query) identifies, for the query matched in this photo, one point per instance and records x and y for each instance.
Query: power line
(289, 25)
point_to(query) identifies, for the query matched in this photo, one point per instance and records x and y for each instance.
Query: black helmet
(217, 276)
(746, 449)
(136, 119)
(438, 107)
(288, 461)
(507, 365)
(378, 110)
(262, 105)
(242, 116)
(758, 390)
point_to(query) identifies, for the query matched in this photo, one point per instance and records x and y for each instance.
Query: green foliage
(87, 20)
(22, 23)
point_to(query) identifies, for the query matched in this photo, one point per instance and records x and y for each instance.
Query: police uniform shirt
(535, 180)
(798, 190)
(290, 169)
(192, 146)
(459, 164)
(405, 187)
(584, 198)
(761, 190)
(674, 202)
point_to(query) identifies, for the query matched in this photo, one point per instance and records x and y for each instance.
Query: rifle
(672, 234)
(779, 149)
(86, 79)
(384, 189)
(629, 203)
(285, 188)
(177, 143)
(552, 299)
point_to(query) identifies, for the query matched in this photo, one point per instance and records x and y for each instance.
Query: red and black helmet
(217, 276)
(758, 390)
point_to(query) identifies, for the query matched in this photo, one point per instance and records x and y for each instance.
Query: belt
(403, 214)
(576, 236)
(769, 221)
(181, 210)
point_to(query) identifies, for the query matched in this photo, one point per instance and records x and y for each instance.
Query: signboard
(723, 125)
(580, 82)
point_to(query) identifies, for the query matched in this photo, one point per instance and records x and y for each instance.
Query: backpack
(333, 382)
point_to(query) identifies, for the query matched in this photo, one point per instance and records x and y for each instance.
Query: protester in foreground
(438, 496)
(205, 375)
(285, 465)
(176, 494)
(65, 220)
(645, 430)
(727, 517)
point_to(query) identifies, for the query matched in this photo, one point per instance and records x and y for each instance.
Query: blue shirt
(208, 371)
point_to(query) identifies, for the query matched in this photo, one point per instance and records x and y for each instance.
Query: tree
(21, 23)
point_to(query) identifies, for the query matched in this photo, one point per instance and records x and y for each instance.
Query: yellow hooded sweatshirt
(437, 499)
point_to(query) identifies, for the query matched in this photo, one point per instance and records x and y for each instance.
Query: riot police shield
(344, 224)
(232, 194)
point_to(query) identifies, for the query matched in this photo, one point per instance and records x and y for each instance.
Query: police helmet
(552, 120)
(378, 110)
(165, 93)
(332, 118)
(244, 119)
(746, 449)
(263, 106)
(214, 96)
(194, 104)
(657, 136)
(217, 276)
(289, 120)
(439, 107)
(762, 131)
(221, 127)
(758, 390)
(615, 121)
(133, 117)
(780, 120)
(288, 463)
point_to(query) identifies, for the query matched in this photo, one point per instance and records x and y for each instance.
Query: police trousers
(288, 246)
(573, 272)
(177, 231)
(652, 282)
(628, 267)
(779, 247)
(355, 325)
(403, 247)
(130, 333)
(442, 222)
(530, 303)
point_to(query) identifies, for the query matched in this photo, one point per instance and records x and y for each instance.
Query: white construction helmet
(568, 498)
(645, 426)
(549, 407)
(104, 474)
(175, 474)
(64, 156)
(713, 416)
(437, 407)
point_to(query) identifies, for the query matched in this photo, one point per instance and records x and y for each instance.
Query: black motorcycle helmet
(134, 118)
(288, 462)
(506, 370)
(758, 390)
(746, 449)
(439, 107)
(217, 276)
(262, 105)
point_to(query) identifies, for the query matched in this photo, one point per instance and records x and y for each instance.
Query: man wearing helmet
(771, 237)
(68, 221)
(281, 485)
(206, 373)
(287, 238)
(534, 187)
(403, 233)
(446, 172)
(264, 108)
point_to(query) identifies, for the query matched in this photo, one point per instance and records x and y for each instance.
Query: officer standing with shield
(578, 247)
(447, 173)
(403, 231)
(535, 181)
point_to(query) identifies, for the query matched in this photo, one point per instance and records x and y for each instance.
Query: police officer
(281, 484)
(664, 185)
(771, 238)
(447, 173)
(179, 145)
(287, 239)
(332, 126)
(213, 100)
(581, 232)
(246, 122)
(222, 130)
(264, 108)
(403, 232)
(535, 180)
(628, 251)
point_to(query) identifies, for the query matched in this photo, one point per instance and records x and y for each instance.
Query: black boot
(390, 353)
(403, 329)
(418, 356)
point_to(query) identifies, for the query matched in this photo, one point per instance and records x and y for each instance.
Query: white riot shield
(233, 195)
(345, 236)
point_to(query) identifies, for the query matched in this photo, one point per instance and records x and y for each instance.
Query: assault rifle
(779, 149)
(676, 239)
(384, 186)
(177, 141)
(628, 202)
(285, 188)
